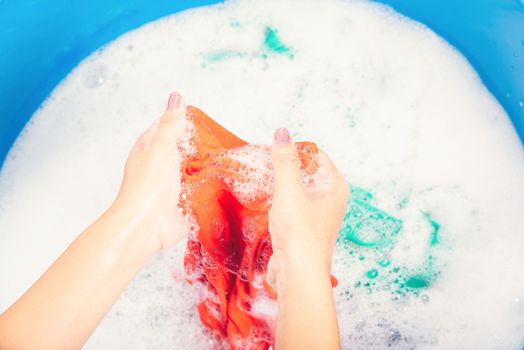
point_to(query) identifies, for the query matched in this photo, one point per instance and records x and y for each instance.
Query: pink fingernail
(174, 101)
(282, 136)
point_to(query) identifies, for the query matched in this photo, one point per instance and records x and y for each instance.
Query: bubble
(372, 274)
(361, 323)
(394, 338)
(391, 149)
(417, 282)
(384, 262)
(95, 76)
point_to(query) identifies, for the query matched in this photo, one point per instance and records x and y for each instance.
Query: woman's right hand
(303, 222)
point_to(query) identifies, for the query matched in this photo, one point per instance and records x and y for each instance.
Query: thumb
(175, 107)
(286, 164)
(168, 123)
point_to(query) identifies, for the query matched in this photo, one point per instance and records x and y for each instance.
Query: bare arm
(65, 305)
(307, 315)
(63, 308)
(304, 225)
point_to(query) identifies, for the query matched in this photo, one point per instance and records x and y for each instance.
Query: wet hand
(148, 197)
(303, 222)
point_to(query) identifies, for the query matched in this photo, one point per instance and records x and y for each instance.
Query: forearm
(66, 304)
(307, 315)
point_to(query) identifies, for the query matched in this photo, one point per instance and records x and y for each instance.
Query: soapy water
(430, 255)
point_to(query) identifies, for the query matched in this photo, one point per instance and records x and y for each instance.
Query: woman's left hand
(150, 189)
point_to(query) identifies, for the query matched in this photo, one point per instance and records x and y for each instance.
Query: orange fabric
(230, 248)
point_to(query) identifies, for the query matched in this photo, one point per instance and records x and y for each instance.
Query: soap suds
(436, 170)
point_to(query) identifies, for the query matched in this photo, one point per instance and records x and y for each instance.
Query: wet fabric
(227, 253)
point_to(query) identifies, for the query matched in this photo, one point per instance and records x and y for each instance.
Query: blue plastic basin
(42, 40)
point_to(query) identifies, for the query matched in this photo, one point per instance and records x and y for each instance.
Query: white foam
(400, 112)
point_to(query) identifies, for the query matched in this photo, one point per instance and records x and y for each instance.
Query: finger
(328, 168)
(175, 106)
(167, 127)
(271, 275)
(332, 178)
(327, 163)
(286, 164)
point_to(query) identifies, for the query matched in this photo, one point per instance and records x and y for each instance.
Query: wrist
(132, 230)
(300, 268)
(297, 279)
(312, 254)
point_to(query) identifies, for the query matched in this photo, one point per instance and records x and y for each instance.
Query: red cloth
(230, 247)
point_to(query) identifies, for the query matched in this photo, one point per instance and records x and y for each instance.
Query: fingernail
(282, 136)
(174, 101)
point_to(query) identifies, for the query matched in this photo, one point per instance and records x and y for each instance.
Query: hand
(86, 280)
(303, 222)
(150, 189)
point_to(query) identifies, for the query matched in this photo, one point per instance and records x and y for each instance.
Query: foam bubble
(435, 167)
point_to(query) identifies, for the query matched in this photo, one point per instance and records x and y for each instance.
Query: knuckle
(289, 157)
(168, 117)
